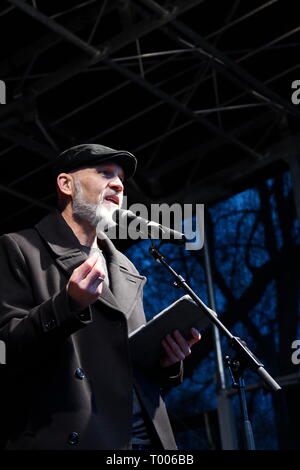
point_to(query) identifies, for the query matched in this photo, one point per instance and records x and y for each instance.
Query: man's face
(98, 192)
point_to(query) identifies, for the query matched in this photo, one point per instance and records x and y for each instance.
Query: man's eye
(106, 173)
(110, 174)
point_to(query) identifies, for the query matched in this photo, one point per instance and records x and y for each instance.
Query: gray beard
(97, 215)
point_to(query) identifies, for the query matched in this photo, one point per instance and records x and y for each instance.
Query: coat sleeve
(30, 332)
(170, 376)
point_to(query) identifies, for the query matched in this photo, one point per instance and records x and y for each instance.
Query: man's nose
(116, 184)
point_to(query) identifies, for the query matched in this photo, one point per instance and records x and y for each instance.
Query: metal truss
(203, 60)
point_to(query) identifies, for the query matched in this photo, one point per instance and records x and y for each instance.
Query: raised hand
(176, 347)
(85, 283)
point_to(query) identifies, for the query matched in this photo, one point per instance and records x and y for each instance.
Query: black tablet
(182, 315)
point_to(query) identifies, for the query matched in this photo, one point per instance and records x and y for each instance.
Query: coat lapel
(126, 285)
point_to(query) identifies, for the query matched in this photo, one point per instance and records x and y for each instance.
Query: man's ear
(65, 184)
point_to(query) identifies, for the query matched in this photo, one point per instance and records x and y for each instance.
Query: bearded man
(69, 300)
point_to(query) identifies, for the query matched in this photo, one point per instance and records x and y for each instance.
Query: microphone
(147, 228)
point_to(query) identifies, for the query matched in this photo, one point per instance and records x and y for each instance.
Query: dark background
(200, 91)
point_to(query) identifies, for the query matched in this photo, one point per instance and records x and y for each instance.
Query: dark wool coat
(68, 378)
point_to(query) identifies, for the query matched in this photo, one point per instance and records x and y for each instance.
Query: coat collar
(126, 283)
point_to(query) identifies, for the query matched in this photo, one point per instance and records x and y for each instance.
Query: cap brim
(126, 160)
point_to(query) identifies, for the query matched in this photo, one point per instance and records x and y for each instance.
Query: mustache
(116, 196)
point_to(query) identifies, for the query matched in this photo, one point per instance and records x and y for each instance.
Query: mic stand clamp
(236, 370)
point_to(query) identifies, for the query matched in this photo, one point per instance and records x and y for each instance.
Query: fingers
(89, 272)
(196, 337)
(175, 350)
(95, 276)
(170, 356)
(181, 343)
(85, 283)
(85, 268)
(176, 347)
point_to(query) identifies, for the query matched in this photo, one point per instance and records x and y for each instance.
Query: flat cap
(93, 154)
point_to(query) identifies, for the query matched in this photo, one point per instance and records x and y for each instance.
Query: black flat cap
(92, 154)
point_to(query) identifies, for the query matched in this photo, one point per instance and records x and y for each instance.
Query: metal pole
(224, 406)
(294, 165)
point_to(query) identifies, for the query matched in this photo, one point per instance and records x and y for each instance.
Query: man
(68, 302)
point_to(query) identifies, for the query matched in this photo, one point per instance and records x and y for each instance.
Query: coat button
(73, 438)
(79, 373)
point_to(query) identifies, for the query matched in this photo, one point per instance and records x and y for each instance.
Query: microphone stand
(244, 357)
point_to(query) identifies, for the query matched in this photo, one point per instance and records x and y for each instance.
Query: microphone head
(123, 215)
(143, 228)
